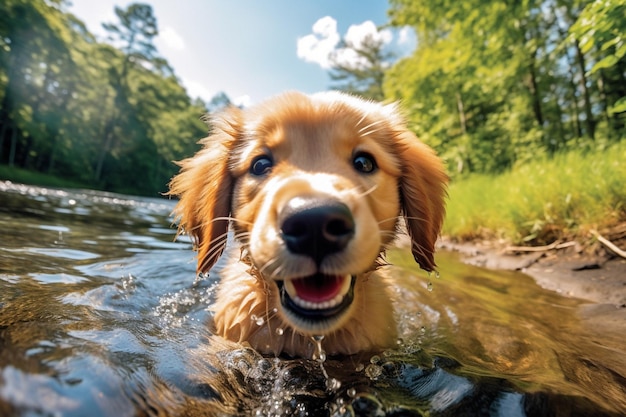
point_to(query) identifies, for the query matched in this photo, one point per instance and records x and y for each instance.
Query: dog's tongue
(318, 288)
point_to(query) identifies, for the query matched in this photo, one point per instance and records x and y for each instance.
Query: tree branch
(609, 244)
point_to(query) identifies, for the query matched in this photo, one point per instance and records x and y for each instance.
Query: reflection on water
(100, 315)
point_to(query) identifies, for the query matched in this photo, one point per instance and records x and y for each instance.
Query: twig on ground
(609, 244)
(555, 245)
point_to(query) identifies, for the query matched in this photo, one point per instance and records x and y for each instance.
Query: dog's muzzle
(316, 228)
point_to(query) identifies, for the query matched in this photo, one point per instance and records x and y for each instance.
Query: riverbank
(590, 270)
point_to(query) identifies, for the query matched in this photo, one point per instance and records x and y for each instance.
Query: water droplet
(375, 359)
(264, 365)
(351, 392)
(423, 330)
(257, 320)
(359, 367)
(333, 384)
(437, 275)
(319, 353)
(429, 286)
(279, 331)
(373, 371)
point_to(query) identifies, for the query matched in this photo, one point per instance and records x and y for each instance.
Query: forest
(491, 85)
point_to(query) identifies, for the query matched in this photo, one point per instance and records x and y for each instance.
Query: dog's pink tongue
(318, 288)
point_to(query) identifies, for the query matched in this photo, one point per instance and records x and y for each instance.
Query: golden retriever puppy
(312, 188)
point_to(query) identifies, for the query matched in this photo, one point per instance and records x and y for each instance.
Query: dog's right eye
(261, 165)
(365, 163)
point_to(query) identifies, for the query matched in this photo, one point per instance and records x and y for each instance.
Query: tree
(219, 102)
(33, 57)
(599, 32)
(63, 95)
(364, 71)
(134, 34)
(494, 83)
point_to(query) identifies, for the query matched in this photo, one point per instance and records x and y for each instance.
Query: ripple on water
(58, 278)
(64, 253)
(117, 329)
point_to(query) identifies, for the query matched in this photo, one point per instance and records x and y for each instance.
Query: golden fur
(312, 146)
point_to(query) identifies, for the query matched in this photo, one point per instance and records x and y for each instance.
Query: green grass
(544, 200)
(19, 175)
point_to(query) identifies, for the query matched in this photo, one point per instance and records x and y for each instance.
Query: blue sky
(249, 48)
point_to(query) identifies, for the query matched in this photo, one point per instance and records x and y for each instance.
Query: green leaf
(605, 62)
(619, 106)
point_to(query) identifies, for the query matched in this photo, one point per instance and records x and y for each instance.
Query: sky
(253, 49)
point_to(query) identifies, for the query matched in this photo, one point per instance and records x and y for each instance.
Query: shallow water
(100, 315)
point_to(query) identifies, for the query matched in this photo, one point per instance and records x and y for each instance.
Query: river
(101, 314)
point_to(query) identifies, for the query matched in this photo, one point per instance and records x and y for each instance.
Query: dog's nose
(316, 227)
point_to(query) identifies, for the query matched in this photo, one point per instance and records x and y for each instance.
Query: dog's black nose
(316, 227)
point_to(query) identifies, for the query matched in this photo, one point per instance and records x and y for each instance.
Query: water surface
(101, 314)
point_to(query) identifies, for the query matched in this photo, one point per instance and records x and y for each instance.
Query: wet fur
(312, 140)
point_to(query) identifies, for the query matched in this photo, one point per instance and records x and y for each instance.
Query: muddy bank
(593, 273)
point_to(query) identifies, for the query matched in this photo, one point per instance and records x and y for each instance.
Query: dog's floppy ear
(423, 190)
(204, 186)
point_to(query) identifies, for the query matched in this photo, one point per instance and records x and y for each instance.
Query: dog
(312, 188)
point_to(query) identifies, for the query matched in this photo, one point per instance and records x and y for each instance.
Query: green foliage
(601, 30)
(493, 84)
(77, 108)
(542, 200)
(364, 77)
(18, 175)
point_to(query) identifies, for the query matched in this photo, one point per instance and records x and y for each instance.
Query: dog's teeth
(310, 305)
(317, 306)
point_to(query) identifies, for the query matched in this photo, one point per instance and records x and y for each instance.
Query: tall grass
(543, 200)
(37, 178)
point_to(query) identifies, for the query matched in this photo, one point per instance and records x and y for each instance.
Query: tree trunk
(13, 147)
(461, 109)
(534, 90)
(589, 121)
(106, 147)
(578, 131)
(4, 122)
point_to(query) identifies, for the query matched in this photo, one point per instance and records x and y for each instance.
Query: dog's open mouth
(317, 297)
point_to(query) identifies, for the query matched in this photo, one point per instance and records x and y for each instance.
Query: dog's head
(313, 187)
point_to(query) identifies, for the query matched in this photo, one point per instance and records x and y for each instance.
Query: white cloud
(322, 46)
(406, 42)
(358, 34)
(196, 89)
(405, 35)
(171, 39)
(242, 101)
(318, 46)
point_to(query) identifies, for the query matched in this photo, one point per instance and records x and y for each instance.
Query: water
(101, 314)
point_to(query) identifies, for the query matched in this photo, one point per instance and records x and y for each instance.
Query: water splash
(319, 355)
(373, 369)
(259, 321)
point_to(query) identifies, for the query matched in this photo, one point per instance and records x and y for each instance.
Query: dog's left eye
(364, 162)
(261, 165)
